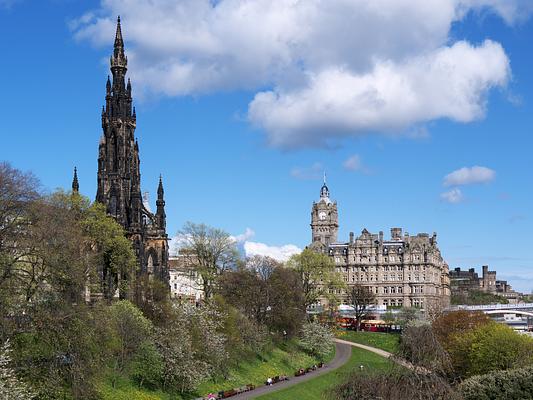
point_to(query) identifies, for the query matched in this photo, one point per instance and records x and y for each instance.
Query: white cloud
(354, 163)
(313, 172)
(451, 82)
(468, 176)
(279, 253)
(176, 243)
(243, 237)
(452, 196)
(326, 69)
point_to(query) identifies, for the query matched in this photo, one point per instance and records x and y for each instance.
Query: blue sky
(242, 104)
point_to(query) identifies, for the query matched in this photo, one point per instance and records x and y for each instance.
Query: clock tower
(324, 219)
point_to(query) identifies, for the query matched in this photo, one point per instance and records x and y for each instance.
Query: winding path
(379, 352)
(383, 353)
(343, 351)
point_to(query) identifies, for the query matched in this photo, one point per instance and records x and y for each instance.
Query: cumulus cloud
(451, 82)
(313, 172)
(324, 70)
(250, 248)
(246, 247)
(243, 237)
(469, 175)
(453, 196)
(279, 253)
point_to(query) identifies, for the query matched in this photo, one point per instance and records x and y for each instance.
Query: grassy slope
(283, 360)
(383, 341)
(125, 389)
(316, 389)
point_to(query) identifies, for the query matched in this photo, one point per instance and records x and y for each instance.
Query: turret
(160, 203)
(75, 183)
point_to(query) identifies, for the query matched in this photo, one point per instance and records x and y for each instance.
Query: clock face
(322, 215)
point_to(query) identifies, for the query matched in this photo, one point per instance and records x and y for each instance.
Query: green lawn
(282, 360)
(383, 341)
(125, 389)
(316, 389)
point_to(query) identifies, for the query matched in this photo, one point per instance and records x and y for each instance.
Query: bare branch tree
(18, 192)
(360, 298)
(263, 266)
(210, 251)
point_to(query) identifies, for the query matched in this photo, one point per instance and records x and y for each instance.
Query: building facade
(185, 282)
(401, 271)
(462, 282)
(119, 175)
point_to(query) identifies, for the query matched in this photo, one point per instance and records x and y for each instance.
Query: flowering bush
(316, 339)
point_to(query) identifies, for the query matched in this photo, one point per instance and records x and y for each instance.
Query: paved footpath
(342, 355)
(385, 354)
(379, 352)
(343, 352)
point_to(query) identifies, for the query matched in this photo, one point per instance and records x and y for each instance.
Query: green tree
(131, 330)
(245, 290)
(273, 299)
(499, 385)
(53, 252)
(449, 325)
(287, 302)
(318, 275)
(147, 366)
(112, 252)
(490, 347)
(59, 347)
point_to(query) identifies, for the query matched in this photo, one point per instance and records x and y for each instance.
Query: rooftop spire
(75, 184)
(160, 191)
(161, 216)
(324, 191)
(119, 42)
(119, 59)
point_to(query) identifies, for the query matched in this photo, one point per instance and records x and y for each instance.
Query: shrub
(131, 330)
(394, 385)
(316, 339)
(489, 347)
(457, 322)
(11, 387)
(419, 345)
(147, 366)
(499, 385)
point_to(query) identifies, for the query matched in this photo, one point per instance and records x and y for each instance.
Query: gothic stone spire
(161, 205)
(75, 184)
